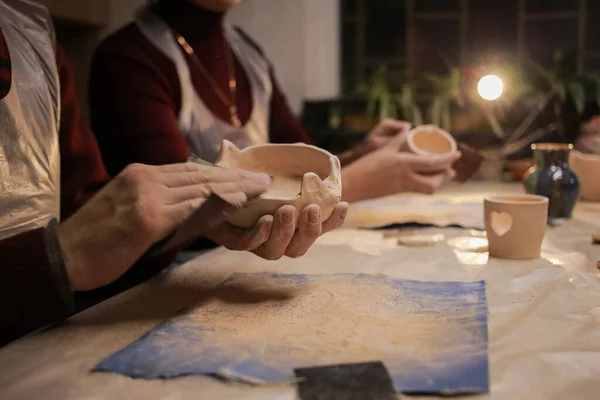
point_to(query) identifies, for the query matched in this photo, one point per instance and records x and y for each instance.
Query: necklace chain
(230, 103)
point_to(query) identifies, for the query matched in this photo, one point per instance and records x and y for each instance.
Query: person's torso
(204, 131)
(29, 118)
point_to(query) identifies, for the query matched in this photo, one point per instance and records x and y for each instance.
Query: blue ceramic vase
(552, 177)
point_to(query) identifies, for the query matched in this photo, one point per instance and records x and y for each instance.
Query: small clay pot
(431, 141)
(587, 168)
(301, 174)
(515, 225)
(520, 169)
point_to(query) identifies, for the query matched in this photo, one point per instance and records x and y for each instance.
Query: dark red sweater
(135, 93)
(34, 289)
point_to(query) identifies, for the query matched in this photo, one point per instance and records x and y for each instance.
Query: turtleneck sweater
(135, 93)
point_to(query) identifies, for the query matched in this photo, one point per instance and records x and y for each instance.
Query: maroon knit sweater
(34, 288)
(135, 94)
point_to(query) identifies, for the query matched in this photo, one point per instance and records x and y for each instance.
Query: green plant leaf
(548, 75)
(417, 115)
(454, 83)
(494, 123)
(435, 111)
(384, 105)
(560, 90)
(445, 115)
(577, 93)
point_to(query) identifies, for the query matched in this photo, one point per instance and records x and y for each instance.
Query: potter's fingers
(425, 164)
(234, 238)
(309, 229)
(235, 193)
(336, 219)
(451, 174)
(198, 174)
(281, 234)
(194, 218)
(392, 127)
(429, 184)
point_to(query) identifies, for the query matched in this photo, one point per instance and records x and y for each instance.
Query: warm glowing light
(490, 87)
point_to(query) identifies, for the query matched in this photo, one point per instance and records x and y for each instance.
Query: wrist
(354, 153)
(69, 257)
(57, 260)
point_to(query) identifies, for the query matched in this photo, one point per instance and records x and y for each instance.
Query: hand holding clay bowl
(587, 167)
(302, 175)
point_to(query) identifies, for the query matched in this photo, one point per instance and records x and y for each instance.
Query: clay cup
(587, 168)
(301, 174)
(430, 141)
(515, 225)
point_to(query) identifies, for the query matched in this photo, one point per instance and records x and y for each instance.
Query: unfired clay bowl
(431, 141)
(302, 175)
(587, 167)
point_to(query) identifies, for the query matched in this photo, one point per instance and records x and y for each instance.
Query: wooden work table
(544, 315)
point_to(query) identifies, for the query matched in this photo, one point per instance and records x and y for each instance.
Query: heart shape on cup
(500, 222)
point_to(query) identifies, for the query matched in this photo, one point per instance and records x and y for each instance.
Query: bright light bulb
(490, 87)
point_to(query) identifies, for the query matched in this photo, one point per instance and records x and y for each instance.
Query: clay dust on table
(283, 322)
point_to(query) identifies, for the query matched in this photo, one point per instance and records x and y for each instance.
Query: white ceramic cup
(515, 225)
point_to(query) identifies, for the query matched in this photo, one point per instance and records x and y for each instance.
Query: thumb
(399, 140)
(212, 213)
(392, 127)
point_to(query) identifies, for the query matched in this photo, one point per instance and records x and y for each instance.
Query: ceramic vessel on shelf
(552, 177)
(587, 167)
(302, 175)
(429, 140)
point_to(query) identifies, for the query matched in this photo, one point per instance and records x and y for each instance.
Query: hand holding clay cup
(432, 141)
(390, 171)
(302, 202)
(384, 132)
(587, 168)
(515, 225)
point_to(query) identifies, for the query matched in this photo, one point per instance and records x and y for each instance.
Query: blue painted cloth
(432, 336)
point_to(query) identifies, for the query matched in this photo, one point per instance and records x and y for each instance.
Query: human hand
(389, 171)
(141, 206)
(275, 236)
(381, 135)
(384, 132)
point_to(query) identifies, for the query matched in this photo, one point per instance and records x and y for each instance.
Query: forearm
(354, 185)
(34, 289)
(354, 153)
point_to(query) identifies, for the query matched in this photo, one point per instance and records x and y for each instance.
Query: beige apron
(201, 128)
(29, 118)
